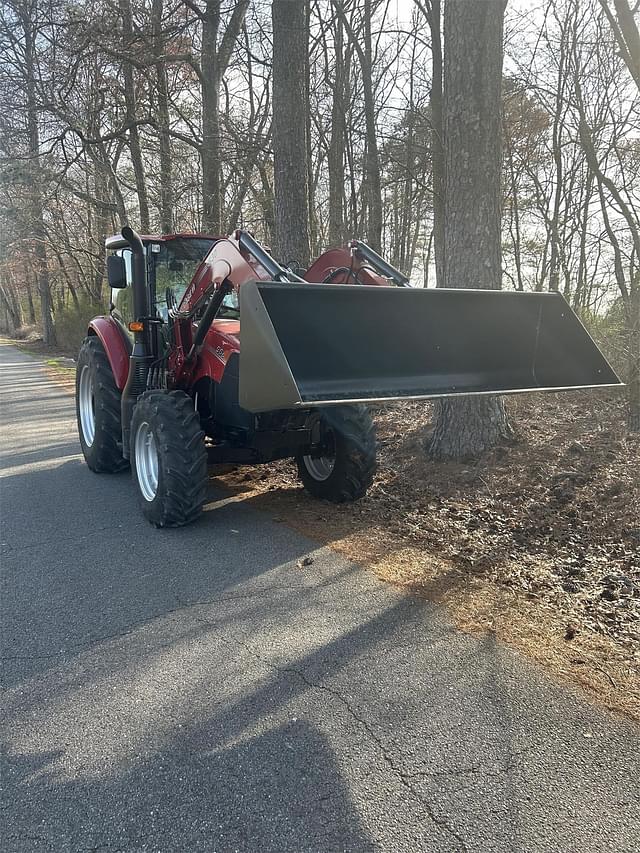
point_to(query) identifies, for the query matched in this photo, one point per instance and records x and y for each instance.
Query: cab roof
(118, 241)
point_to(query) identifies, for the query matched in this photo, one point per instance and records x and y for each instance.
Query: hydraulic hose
(277, 272)
(210, 315)
(379, 264)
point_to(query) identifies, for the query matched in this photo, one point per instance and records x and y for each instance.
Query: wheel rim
(321, 467)
(87, 406)
(146, 455)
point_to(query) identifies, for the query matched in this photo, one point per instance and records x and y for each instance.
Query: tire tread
(355, 466)
(105, 454)
(183, 457)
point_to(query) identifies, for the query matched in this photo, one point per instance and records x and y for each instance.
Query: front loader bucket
(320, 344)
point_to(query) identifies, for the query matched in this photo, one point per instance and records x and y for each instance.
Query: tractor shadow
(81, 566)
(360, 532)
(257, 755)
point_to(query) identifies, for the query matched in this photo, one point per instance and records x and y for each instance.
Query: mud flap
(322, 344)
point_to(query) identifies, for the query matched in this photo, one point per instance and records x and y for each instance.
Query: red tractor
(164, 385)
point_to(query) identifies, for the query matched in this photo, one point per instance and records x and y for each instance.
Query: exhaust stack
(141, 356)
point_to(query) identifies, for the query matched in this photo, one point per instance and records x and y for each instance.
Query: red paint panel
(114, 345)
(220, 343)
(224, 250)
(334, 258)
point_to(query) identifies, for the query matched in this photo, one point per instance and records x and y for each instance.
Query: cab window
(175, 265)
(122, 298)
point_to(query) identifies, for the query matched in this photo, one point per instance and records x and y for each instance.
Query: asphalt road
(194, 690)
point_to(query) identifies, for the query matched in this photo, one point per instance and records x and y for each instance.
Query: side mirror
(116, 272)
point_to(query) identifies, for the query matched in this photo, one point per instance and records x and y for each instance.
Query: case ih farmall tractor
(213, 352)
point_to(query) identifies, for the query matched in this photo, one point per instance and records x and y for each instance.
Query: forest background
(159, 113)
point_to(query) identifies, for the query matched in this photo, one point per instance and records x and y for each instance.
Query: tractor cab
(171, 262)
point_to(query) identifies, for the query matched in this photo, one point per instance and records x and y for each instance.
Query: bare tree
(290, 108)
(613, 193)
(21, 27)
(336, 158)
(214, 62)
(473, 44)
(625, 30)
(132, 115)
(362, 43)
(162, 95)
(432, 11)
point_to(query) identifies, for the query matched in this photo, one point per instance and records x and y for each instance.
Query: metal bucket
(320, 344)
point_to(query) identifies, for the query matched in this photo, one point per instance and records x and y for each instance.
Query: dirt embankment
(538, 542)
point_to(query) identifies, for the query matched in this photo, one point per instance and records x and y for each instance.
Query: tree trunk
(427, 262)
(372, 160)
(581, 284)
(336, 143)
(132, 116)
(102, 225)
(211, 213)
(30, 306)
(36, 207)
(633, 379)
(437, 146)
(473, 35)
(289, 130)
(214, 62)
(409, 215)
(11, 305)
(314, 225)
(625, 31)
(267, 203)
(515, 218)
(166, 178)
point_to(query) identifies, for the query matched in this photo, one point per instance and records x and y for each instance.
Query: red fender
(115, 346)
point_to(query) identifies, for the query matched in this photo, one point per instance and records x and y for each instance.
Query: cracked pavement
(195, 690)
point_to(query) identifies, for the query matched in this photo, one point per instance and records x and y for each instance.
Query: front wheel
(98, 410)
(168, 458)
(340, 468)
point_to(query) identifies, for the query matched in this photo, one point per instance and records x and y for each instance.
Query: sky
(404, 8)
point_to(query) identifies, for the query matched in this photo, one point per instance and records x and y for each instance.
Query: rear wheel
(98, 409)
(342, 465)
(168, 458)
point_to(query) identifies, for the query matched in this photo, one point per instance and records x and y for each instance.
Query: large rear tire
(98, 410)
(342, 468)
(168, 458)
